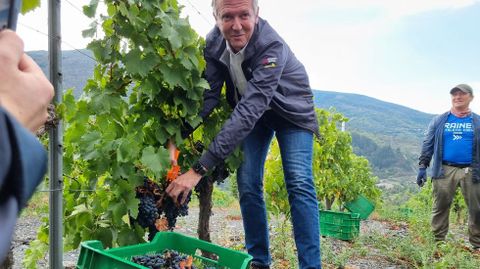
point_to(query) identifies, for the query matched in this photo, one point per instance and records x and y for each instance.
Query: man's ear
(256, 15)
(216, 21)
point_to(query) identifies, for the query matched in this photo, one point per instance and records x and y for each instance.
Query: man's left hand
(180, 187)
(421, 177)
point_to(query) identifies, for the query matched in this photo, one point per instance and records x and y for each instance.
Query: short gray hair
(214, 6)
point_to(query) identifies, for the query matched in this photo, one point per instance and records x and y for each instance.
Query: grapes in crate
(168, 259)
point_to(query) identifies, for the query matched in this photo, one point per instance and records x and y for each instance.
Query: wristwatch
(199, 168)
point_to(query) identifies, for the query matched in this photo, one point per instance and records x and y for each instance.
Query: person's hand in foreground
(25, 92)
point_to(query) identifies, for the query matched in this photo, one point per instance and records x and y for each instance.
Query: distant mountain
(371, 115)
(77, 66)
(387, 134)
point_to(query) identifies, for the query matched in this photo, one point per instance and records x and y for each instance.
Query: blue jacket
(23, 163)
(276, 80)
(433, 147)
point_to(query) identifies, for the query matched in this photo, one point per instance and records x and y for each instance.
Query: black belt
(459, 165)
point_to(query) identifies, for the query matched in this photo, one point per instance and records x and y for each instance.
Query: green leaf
(105, 235)
(132, 204)
(89, 32)
(91, 9)
(128, 150)
(156, 161)
(79, 209)
(88, 143)
(118, 209)
(137, 64)
(29, 5)
(172, 35)
(127, 237)
(172, 76)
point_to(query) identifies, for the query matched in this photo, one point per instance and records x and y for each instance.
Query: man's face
(461, 100)
(236, 20)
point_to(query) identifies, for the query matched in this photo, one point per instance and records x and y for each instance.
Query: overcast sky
(407, 52)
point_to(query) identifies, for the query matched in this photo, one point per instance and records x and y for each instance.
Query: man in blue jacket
(25, 93)
(453, 141)
(269, 91)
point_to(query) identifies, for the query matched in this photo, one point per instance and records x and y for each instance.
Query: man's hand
(180, 187)
(422, 176)
(25, 92)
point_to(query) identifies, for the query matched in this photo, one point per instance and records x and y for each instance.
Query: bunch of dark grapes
(172, 210)
(147, 211)
(220, 173)
(169, 259)
(155, 205)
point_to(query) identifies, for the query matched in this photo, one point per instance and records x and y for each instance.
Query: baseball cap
(462, 87)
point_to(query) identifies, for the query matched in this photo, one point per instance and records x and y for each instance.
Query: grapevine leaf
(87, 145)
(172, 77)
(105, 235)
(91, 9)
(137, 64)
(156, 161)
(132, 204)
(90, 32)
(126, 237)
(172, 35)
(126, 218)
(118, 210)
(29, 5)
(127, 150)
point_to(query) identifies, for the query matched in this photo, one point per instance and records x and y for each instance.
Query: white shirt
(234, 62)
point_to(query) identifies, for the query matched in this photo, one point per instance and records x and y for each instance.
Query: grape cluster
(155, 204)
(168, 259)
(220, 173)
(147, 211)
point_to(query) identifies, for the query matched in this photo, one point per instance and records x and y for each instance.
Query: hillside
(77, 67)
(387, 134)
(370, 115)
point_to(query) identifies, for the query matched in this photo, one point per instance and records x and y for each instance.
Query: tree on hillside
(339, 175)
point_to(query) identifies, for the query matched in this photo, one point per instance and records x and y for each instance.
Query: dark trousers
(443, 193)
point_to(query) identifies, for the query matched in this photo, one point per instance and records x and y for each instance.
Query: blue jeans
(296, 148)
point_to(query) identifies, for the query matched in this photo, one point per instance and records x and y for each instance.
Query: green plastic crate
(360, 205)
(341, 225)
(94, 256)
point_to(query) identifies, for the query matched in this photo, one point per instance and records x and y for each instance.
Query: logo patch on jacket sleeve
(269, 62)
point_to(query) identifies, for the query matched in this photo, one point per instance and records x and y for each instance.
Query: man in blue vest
(453, 141)
(25, 93)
